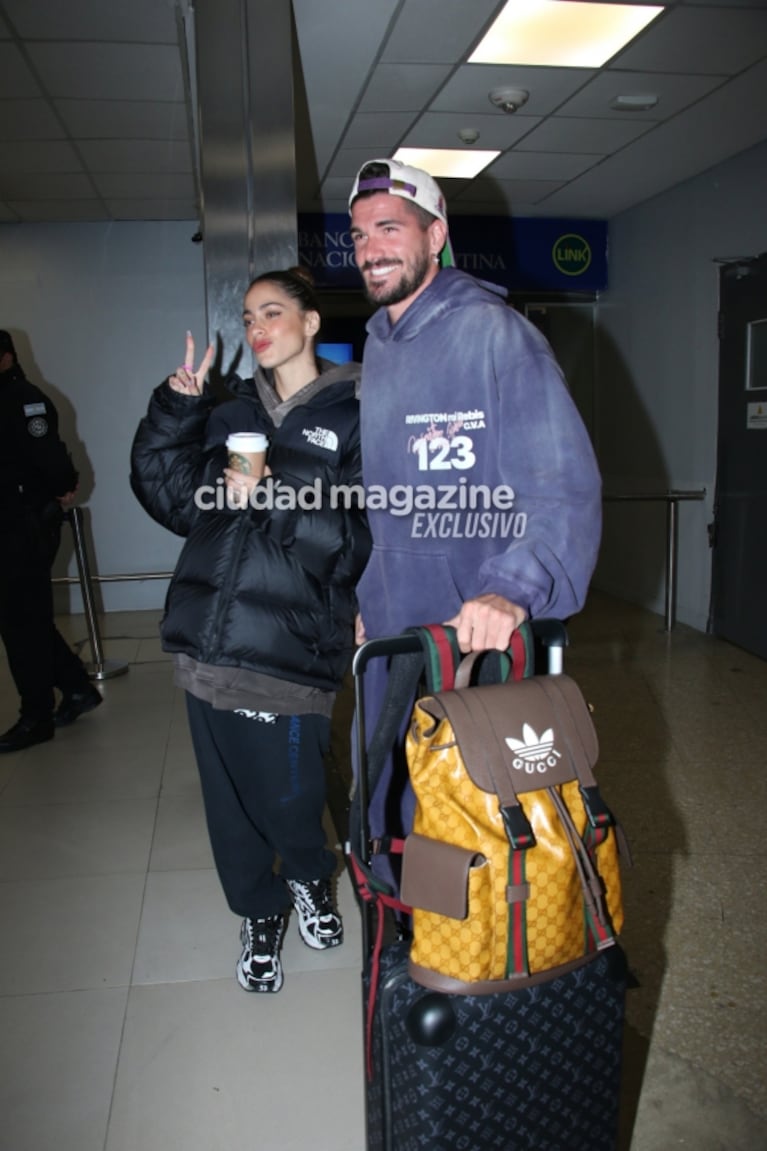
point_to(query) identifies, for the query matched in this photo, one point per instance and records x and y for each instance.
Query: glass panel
(756, 355)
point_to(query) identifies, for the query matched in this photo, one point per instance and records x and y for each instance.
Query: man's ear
(438, 236)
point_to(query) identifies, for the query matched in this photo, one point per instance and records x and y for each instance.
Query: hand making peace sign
(185, 379)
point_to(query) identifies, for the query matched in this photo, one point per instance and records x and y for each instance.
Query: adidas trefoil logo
(535, 753)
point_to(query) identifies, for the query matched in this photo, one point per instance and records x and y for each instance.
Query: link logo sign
(522, 254)
(571, 254)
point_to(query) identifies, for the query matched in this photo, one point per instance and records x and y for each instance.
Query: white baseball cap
(410, 183)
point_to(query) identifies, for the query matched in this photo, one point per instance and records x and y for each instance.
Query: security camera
(468, 135)
(508, 99)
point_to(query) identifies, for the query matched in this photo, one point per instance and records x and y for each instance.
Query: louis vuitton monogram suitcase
(533, 1069)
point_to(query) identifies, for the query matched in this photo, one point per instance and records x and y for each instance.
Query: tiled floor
(122, 1027)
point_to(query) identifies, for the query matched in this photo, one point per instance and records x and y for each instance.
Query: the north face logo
(534, 752)
(321, 438)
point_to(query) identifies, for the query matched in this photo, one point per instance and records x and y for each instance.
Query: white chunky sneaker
(259, 967)
(319, 923)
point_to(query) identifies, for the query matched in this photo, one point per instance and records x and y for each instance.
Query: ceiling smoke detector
(468, 135)
(508, 99)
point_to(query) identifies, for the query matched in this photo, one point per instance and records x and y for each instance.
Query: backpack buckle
(518, 829)
(599, 814)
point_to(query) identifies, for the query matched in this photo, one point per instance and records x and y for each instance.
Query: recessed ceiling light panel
(634, 102)
(561, 33)
(447, 163)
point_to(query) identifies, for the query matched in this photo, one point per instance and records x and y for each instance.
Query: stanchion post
(100, 668)
(670, 564)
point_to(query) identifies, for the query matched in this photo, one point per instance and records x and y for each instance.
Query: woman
(260, 610)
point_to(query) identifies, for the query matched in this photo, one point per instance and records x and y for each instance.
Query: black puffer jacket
(270, 590)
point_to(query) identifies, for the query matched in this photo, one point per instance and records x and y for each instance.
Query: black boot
(75, 704)
(26, 733)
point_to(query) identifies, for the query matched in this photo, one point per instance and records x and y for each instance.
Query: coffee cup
(247, 452)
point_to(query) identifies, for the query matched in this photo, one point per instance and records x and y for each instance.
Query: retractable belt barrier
(99, 668)
(671, 499)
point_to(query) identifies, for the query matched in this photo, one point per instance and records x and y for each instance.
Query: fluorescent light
(447, 163)
(561, 33)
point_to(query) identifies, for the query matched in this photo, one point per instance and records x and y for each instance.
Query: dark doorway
(739, 534)
(569, 326)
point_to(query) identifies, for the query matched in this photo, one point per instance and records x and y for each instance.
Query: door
(739, 535)
(569, 328)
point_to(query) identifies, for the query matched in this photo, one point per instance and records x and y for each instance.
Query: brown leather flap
(521, 736)
(435, 876)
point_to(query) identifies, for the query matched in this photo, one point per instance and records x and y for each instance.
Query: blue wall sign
(527, 254)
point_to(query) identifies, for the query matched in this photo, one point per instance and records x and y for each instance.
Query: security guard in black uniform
(37, 481)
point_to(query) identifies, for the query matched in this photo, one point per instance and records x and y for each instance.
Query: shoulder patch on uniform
(34, 409)
(38, 427)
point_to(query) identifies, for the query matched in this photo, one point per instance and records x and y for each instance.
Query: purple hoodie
(479, 473)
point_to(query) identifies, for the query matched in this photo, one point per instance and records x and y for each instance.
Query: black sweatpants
(263, 783)
(39, 657)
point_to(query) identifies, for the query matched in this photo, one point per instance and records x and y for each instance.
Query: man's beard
(409, 282)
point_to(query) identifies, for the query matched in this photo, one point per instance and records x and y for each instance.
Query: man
(464, 404)
(482, 490)
(37, 481)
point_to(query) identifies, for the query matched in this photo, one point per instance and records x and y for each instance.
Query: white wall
(657, 391)
(99, 314)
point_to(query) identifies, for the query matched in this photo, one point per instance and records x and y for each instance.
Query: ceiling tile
(16, 79)
(357, 30)
(55, 186)
(20, 156)
(336, 190)
(699, 40)
(467, 91)
(707, 134)
(402, 87)
(576, 134)
(675, 92)
(140, 20)
(144, 185)
(440, 129)
(349, 161)
(540, 166)
(124, 119)
(28, 120)
(437, 31)
(726, 3)
(377, 129)
(114, 73)
(59, 211)
(503, 195)
(157, 156)
(153, 209)
(566, 202)
(109, 71)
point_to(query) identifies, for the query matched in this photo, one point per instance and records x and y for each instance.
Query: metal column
(244, 89)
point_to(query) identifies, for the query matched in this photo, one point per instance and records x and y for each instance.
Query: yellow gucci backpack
(512, 866)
